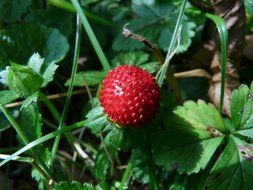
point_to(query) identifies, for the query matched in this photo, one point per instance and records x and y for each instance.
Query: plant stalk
(92, 36)
(24, 139)
(64, 5)
(161, 74)
(127, 172)
(70, 89)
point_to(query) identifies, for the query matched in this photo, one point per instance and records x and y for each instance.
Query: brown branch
(193, 73)
(51, 97)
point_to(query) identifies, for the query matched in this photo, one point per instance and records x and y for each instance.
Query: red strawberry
(129, 96)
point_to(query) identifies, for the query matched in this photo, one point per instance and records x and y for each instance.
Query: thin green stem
(24, 138)
(56, 116)
(14, 124)
(70, 89)
(62, 4)
(51, 107)
(154, 183)
(19, 159)
(161, 74)
(44, 139)
(92, 36)
(100, 54)
(127, 172)
(223, 33)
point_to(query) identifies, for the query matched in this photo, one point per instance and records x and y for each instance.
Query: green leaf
(151, 67)
(241, 106)
(223, 35)
(190, 139)
(246, 132)
(45, 70)
(30, 100)
(45, 155)
(186, 38)
(35, 62)
(183, 152)
(185, 182)
(238, 100)
(74, 185)
(140, 168)
(50, 18)
(30, 122)
(48, 73)
(136, 58)
(201, 116)
(155, 20)
(22, 80)
(7, 96)
(12, 10)
(90, 77)
(234, 168)
(4, 123)
(96, 120)
(249, 10)
(102, 164)
(20, 41)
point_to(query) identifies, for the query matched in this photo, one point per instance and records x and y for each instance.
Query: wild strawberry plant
(142, 121)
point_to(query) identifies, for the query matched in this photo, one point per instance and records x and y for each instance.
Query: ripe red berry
(129, 96)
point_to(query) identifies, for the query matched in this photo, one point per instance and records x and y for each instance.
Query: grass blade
(161, 74)
(62, 4)
(23, 137)
(70, 89)
(18, 158)
(42, 140)
(92, 36)
(223, 33)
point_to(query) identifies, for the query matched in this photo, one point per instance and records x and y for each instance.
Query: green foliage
(90, 78)
(186, 147)
(155, 21)
(12, 10)
(96, 120)
(102, 164)
(30, 122)
(22, 80)
(234, 168)
(74, 185)
(185, 182)
(137, 58)
(45, 70)
(30, 100)
(25, 81)
(29, 38)
(196, 130)
(50, 18)
(45, 155)
(242, 107)
(140, 168)
(4, 123)
(7, 96)
(249, 12)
